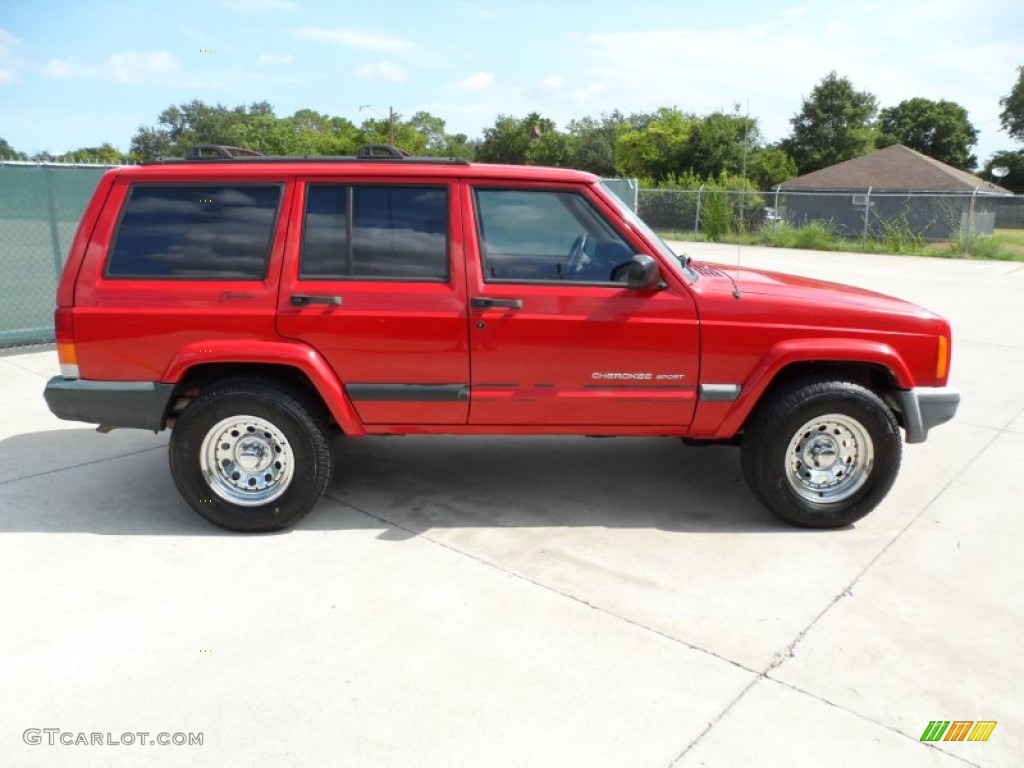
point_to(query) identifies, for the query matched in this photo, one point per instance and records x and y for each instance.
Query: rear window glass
(198, 231)
(375, 233)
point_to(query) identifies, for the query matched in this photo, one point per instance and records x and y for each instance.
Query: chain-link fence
(40, 205)
(960, 219)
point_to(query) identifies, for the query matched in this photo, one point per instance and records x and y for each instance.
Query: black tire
(268, 457)
(820, 453)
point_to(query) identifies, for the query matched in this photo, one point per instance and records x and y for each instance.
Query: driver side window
(546, 236)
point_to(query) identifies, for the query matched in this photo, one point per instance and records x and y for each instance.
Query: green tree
(939, 129)
(405, 133)
(196, 122)
(1014, 163)
(592, 142)
(7, 152)
(509, 139)
(659, 150)
(1012, 116)
(768, 166)
(833, 125)
(716, 143)
(105, 154)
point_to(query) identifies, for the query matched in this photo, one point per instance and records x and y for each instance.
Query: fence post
(970, 220)
(696, 218)
(51, 208)
(867, 213)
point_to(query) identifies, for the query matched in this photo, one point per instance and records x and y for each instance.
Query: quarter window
(546, 235)
(213, 232)
(375, 233)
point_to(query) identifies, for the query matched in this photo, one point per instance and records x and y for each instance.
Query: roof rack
(204, 151)
(218, 153)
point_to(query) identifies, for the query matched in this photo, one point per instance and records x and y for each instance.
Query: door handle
(482, 302)
(304, 300)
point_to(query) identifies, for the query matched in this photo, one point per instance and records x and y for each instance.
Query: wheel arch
(300, 370)
(874, 366)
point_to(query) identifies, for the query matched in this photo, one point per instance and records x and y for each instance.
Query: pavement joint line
(797, 689)
(83, 464)
(978, 343)
(10, 361)
(788, 652)
(546, 587)
(865, 718)
(847, 591)
(707, 729)
(758, 675)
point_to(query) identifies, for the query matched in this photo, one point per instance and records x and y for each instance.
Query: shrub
(716, 215)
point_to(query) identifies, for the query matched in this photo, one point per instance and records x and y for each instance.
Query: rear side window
(200, 231)
(375, 232)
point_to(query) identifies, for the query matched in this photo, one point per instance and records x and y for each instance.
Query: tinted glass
(397, 233)
(198, 231)
(546, 235)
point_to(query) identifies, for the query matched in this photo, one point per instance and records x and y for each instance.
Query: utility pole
(391, 121)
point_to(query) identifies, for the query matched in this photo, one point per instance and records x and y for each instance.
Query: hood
(803, 290)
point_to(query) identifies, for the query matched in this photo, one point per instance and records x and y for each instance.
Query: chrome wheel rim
(246, 460)
(829, 458)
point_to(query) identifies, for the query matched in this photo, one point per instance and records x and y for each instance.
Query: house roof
(895, 168)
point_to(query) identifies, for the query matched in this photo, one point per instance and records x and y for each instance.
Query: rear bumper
(137, 404)
(926, 407)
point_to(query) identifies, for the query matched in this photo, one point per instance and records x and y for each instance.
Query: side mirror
(642, 273)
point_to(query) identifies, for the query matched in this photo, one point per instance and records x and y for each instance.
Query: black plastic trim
(419, 393)
(135, 404)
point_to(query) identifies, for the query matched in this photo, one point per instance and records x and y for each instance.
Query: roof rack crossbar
(381, 151)
(204, 151)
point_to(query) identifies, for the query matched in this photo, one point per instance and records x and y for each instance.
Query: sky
(76, 74)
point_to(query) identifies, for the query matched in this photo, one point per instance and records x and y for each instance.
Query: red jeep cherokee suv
(257, 306)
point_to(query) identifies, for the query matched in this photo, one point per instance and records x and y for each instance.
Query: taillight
(67, 355)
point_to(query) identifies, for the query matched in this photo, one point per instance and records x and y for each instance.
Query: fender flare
(288, 354)
(832, 350)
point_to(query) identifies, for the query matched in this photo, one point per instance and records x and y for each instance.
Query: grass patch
(1002, 245)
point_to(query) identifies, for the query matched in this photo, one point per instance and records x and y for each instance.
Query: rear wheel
(822, 454)
(249, 456)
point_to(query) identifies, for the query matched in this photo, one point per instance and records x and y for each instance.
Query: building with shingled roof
(889, 190)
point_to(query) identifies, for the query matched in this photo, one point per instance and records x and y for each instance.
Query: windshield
(639, 225)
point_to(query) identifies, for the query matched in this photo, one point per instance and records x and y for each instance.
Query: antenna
(743, 197)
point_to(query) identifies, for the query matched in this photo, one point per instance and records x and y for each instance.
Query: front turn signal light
(942, 359)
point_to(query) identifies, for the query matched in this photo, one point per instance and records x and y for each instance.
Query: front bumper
(926, 407)
(137, 404)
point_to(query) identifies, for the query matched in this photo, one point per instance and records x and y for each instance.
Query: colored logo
(958, 730)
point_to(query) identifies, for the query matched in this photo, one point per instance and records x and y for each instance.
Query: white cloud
(130, 67)
(276, 59)
(478, 10)
(477, 82)
(588, 93)
(383, 70)
(8, 59)
(134, 67)
(259, 5)
(553, 81)
(353, 38)
(59, 68)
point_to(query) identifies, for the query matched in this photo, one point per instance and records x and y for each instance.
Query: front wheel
(822, 454)
(249, 456)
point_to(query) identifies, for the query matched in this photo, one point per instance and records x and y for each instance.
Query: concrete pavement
(563, 602)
